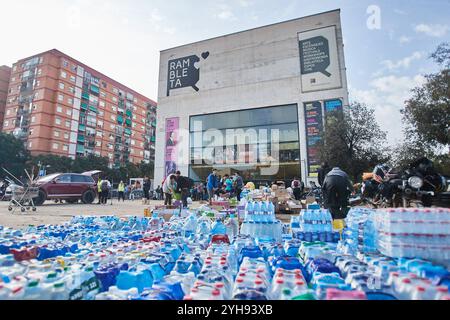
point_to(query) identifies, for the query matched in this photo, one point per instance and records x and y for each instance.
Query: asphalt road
(55, 214)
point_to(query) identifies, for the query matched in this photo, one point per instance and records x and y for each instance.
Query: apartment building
(5, 75)
(58, 105)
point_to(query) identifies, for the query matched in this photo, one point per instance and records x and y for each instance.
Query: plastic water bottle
(218, 228)
(232, 227)
(190, 226)
(249, 211)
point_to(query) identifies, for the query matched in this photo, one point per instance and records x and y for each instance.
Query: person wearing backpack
(297, 188)
(212, 185)
(105, 185)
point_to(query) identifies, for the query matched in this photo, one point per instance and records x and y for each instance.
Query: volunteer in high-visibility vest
(121, 190)
(99, 190)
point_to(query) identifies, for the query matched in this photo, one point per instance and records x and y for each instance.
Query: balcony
(26, 100)
(127, 131)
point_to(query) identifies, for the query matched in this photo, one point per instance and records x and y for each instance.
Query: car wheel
(39, 201)
(88, 197)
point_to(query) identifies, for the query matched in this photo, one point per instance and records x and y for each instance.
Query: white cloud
(156, 15)
(224, 12)
(404, 63)
(433, 30)
(404, 39)
(246, 3)
(388, 95)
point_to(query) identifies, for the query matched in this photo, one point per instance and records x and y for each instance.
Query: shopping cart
(23, 193)
(22, 197)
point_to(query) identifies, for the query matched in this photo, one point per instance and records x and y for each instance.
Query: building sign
(183, 73)
(319, 60)
(314, 129)
(171, 151)
(333, 105)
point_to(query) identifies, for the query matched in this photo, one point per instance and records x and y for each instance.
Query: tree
(13, 155)
(51, 163)
(353, 140)
(427, 113)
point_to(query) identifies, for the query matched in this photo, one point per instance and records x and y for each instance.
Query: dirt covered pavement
(55, 213)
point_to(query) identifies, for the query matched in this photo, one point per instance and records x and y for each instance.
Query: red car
(70, 187)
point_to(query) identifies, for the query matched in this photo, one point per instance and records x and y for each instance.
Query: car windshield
(48, 178)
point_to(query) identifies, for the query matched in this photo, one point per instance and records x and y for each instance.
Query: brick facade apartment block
(5, 75)
(57, 105)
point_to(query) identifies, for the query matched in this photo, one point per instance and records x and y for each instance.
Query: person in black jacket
(337, 189)
(183, 187)
(323, 171)
(147, 185)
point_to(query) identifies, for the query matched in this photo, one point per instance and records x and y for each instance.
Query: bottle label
(76, 294)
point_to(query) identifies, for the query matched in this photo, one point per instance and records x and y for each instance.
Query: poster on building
(333, 109)
(319, 60)
(171, 150)
(314, 129)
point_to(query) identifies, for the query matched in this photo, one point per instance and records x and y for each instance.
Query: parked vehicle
(70, 187)
(418, 185)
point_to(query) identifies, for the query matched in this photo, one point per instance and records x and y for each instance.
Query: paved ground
(52, 213)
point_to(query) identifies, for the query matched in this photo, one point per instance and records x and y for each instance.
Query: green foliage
(353, 140)
(427, 112)
(13, 155)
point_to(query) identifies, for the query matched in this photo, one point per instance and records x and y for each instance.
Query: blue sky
(123, 38)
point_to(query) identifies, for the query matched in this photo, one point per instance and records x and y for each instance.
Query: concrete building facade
(5, 75)
(262, 89)
(57, 105)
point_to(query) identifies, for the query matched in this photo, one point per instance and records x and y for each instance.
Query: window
(59, 109)
(39, 72)
(65, 147)
(61, 86)
(8, 112)
(98, 143)
(72, 90)
(58, 120)
(66, 135)
(63, 74)
(63, 179)
(60, 97)
(55, 146)
(56, 134)
(15, 68)
(13, 79)
(113, 126)
(31, 132)
(68, 123)
(100, 123)
(113, 118)
(70, 101)
(115, 91)
(114, 99)
(33, 119)
(65, 63)
(133, 142)
(69, 112)
(99, 134)
(101, 113)
(113, 108)
(73, 79)
(102, 104)
(30, 145)
(102, 94)
(284, 119)
(78, 178)
(6, 123)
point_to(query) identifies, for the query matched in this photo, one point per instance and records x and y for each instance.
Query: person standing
(183, 187)
(169, 186)
(238, 185)
(212, 185)
(228, 183)
(105, 185)
(99, 190)
(297, 188)
(121, 191)
(322, 172)
(337, 189)
(147, 185)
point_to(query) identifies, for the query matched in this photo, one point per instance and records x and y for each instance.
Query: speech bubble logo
(315, 56)
(184, 72)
